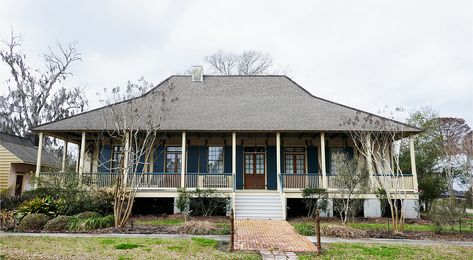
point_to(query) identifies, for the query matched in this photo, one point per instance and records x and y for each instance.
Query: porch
(229, 162)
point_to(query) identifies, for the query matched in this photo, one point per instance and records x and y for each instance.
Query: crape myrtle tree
(133, 124)
(33, 95)
(377, 139)
(351, 177)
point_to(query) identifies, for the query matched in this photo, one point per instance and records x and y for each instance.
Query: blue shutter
(272, 166)
(203, 154)
(328, 159)
(227, 159)
(105, 154)
(349, 152)
(140, 166)
(239, 173)
(193, 159)
(312, 162)
(158, 163)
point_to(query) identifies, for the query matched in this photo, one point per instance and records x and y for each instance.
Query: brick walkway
(269, 235)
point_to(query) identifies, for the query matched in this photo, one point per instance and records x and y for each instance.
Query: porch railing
(209, 180)
(301, 180)
(162, 180)
(388, 181)
(401, 182)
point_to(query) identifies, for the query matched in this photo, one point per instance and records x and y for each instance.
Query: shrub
(445, 212)
(87, 214)
(57, 224)
(315, 199)
(9, 202)
(46, 205)
(207, 202)
(196, 228)
(77, 198)
(7, 221)
(182, 201)
(342, 231)
(77, 223)
(33, 222)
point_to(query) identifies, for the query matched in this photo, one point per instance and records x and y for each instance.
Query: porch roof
(24, 149)
(231, 103)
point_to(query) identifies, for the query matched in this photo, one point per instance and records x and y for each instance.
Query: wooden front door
(18, 185)
(255, 168)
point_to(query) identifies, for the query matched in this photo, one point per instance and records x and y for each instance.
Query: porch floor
(269, 235)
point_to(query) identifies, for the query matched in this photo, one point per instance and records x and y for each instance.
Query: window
(116, 158)
(173, 159)
(294, 160)
(332, 151)
(215, 164)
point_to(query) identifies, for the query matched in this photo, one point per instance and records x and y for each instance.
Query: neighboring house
(18, 162)
(260, 139)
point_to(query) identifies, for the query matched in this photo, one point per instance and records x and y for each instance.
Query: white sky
(366, 54)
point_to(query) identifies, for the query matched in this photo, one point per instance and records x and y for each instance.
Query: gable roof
(229, 103)
(24, 149)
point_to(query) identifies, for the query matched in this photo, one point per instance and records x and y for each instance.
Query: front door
(255, 167)
(18, 185)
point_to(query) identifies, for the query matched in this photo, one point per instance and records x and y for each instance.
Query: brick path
(269, 235)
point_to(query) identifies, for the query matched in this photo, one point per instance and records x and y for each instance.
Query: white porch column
(64, 156)
(183, 160)
(322, 157)
(234, 159)
(234, 166)
(278, 160)
(38, 158)
(82, 156)
(413, 163)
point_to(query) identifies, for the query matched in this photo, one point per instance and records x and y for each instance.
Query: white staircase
(258, 206)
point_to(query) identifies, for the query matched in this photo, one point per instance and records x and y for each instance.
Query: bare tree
(249, 62)
(35, 96)
(351, 178)
(134, 124)
(378, 140)
(456, 161)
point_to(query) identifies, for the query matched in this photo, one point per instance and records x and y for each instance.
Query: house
(18, 162)
(259, 139)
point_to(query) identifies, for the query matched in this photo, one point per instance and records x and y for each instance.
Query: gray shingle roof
(230, 103)
(24, 149)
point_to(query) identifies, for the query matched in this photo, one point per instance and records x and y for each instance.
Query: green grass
(126, 246)
(359, 251)
(304, 229)
(160, 222)
(222, 229)
(16, 247)
(205, 242)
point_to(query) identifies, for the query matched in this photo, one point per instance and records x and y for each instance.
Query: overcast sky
(366, 54)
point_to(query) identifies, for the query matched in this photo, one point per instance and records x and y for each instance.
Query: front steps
(258, 206)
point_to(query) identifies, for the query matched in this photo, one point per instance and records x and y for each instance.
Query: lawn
(305, 226)
(221, 225)
(17, 247)
(358, 251)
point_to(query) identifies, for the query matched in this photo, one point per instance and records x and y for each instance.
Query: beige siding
(6, 159)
